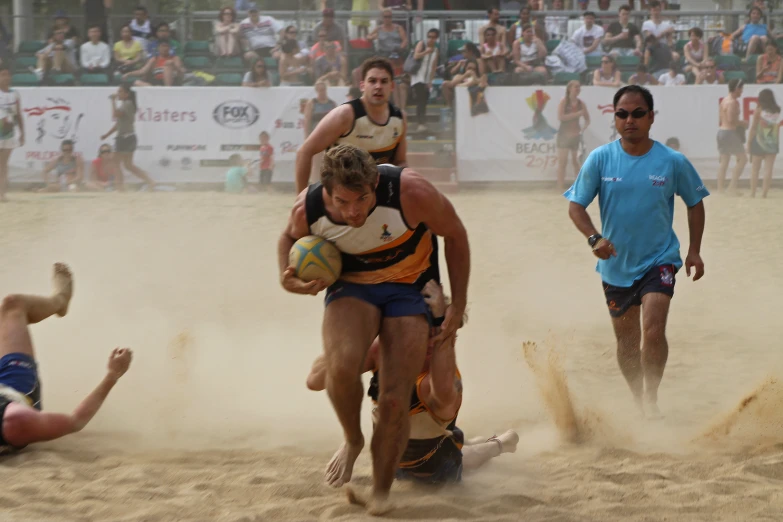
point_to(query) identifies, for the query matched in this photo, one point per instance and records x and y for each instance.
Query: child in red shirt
(267, 159)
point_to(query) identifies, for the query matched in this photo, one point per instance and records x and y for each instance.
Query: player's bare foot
(63, 286)
(651, 410)
(340, 468)
(509, 441)
(379, 504)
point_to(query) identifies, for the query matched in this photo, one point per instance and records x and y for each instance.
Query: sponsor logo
(236, 114)
(281, 124)
(611, 180)
(236, 148)
(364, 136)
(540, 128)
(145, 148)
(150, 115)
(700, 188)
(385, 234)
(667, 276)
(193, 148)
(536, 148)
(288, 147)
(55, 118)
(657, 181)
(186, 163)
(164, 162)
(214, 163)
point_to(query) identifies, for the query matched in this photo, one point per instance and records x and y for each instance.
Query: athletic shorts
(729, 143)
(125, 143)
(393, 299)
(659, 279)
(568, 142)
(443, 467)
(265, 177)
(20, 372)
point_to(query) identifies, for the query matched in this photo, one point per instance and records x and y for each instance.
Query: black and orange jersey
(379, 139)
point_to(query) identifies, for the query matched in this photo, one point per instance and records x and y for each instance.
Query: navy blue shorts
(659, 279)
(393, 299)
(447, 461)
(20, 372)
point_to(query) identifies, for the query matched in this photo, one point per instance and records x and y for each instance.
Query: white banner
(516, 139)
(185, 134)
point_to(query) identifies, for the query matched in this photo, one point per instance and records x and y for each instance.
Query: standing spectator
(731, 134)
(515, 32)
(421, 80)
(62, 22)
(161, 70)
(623, 38)
(315, 110)
(755, 35)
(658, 56)
(260, 33)
(529, 53)
(257, 76)
(95, 54)
(768, 65)
(663, 30)
(95, 15)
(318, 49)
(162, 34)
(763, 140)
(494, 23)
(10, 119)
(695, 51)
(708, 74)
(672, 78)
(331, 68)
(493, 52)
(68, 168)
(140, 26)
(293, 71)
(334, 32)
(673, 143)
(556, 25)
(608, 75)
(103, 170)
(391, 42)
(58, 56)
(589, 36)
(226, 33)
(569, 135)
(128, 52)
(642, 77)
(362, 23)
(124, 115)
(604, 16)
(267, 164)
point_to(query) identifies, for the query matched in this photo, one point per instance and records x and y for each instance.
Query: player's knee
(393, 403)
(10, 303)
(654, 332)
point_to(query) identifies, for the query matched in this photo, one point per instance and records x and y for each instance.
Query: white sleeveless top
(380, 140)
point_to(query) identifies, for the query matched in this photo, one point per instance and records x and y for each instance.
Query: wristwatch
(592, 240)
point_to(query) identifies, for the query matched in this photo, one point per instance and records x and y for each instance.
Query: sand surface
(213, 421)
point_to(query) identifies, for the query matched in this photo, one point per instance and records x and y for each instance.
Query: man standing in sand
(383, 219)
(730, 136)
(636, 179)
(21, 420)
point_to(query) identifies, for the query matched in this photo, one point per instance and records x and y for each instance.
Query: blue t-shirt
(636, 197)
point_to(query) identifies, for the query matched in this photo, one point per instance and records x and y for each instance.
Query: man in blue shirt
(636, 179)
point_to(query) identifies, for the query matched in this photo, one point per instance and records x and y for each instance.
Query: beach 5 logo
(236, 114)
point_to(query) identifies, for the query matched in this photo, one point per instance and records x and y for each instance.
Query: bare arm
(696, 219)
(111, 131)
(79, 170)
(20, 122)
(296, 228)
(581, 219)
(594, 45)
(308, 117)
(418, 51)
(401, 154)
(541, 49)
(329, 129)
(752, 130)
(562, 116)
(404, 36)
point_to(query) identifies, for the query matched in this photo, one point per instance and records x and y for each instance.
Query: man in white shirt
(261, 34)
(94, 54)
(589, 36)
(663, 30)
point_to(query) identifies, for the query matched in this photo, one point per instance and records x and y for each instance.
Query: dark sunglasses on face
(635, 114)
(105, 152)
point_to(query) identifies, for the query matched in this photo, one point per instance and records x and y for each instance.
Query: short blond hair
(350, 167)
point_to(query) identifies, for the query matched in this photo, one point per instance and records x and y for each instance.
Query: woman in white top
(421, 81)
(695, 51)
(10, 118)
(226, 34)
(608, 75)
(763, 140)
(673, 77)
(293, 70)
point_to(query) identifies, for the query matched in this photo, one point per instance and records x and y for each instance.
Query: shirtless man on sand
(729, 143)
(21, 420)
(384, 220)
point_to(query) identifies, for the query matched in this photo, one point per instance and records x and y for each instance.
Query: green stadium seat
(271, 63)
(228, 79)
(739, 75)
(25, 80)
(455, 46)
(627, 62)
(680, 45)
(593, 62)
(551, 45)
(63, 79)
(197, 63)
(91, 79)
(31, 46)
(751, 60)
(562, 78)
(197, 48)
(230, 64)
(626, 75)
(23, 63)
(728, 61)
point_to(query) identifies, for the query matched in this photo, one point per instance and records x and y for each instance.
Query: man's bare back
(729, 113)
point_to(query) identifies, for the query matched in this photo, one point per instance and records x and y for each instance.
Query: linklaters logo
(236, 114)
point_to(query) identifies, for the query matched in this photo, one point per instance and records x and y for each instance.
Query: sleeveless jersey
(380, 140)
(383, 250)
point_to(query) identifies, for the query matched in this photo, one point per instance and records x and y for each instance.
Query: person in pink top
(103, 170)
(267, 159)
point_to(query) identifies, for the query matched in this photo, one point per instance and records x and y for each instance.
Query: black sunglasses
(635, 114)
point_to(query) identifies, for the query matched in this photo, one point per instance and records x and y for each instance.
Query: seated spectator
(331, 68)
(695, 51)
(236, 177)
(608, 75)
(556, 25)
(494, 23)
(318, 49)
(458, 70)
(334, 32)
(623, 38)
(642, 77)
(95, 54)
(663, 30)
(293, 70)
(707, 74)
(673, 143)
(62, 22)
(361, 22)
(421, 81)
(529, 53)
(260, 34)
(658, 56)
(68, 169)
(589, 36)
(515, 32)
(768, 69)
(128, 52)
(754, 35)
(391, 42)
(493, 52)
(257, 76)
(162, 34)
(58, 57)
(140, 26)
(161, 70)
(103, 170)
(226, 34)
(291, 33)
(674, 77)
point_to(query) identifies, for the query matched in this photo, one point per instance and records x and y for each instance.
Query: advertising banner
(511, 133)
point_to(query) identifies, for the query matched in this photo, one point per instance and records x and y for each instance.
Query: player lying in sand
(21, 420)
(435, 451)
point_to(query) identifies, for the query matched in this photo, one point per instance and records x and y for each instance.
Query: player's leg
(403, 347)
(769, 164)
(5, 155)
(349, 327)
(655, 351)
(19, 311)
(742, 159)
(477, 454)
(623, 304)
(754, 174)
(722, 168)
